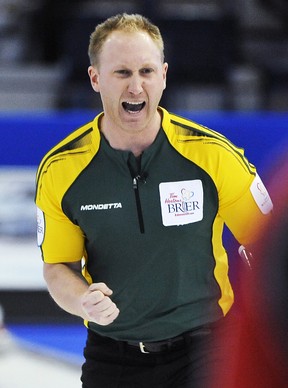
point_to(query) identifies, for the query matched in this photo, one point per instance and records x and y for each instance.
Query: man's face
(131, 78)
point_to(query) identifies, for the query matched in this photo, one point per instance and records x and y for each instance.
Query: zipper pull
(135, 183)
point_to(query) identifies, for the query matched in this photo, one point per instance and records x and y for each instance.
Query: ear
(94, 78)
(165, 68)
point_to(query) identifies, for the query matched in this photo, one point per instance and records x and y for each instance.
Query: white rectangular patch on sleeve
(181, 202)
(261, 195)
(40, 227)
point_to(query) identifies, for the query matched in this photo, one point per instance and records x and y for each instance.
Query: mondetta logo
(101, 206)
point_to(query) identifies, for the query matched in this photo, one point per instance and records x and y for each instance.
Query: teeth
(133, 106)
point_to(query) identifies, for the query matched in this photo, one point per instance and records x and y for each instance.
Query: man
(137, 199)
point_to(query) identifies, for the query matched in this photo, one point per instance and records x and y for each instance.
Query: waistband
(219, 327)
(171, 343)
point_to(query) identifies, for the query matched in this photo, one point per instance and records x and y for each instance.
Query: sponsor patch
(40, 227)
(261, 195)
(181, 202)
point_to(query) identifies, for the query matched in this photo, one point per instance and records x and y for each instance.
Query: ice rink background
(23, 364)
(31, 355)
(34, 355)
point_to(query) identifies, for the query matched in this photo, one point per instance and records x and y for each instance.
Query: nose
(135, 86)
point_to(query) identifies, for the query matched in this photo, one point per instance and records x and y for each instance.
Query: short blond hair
(122, 22)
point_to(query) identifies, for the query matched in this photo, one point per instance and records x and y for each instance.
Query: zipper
(135, 183)
(134, 165)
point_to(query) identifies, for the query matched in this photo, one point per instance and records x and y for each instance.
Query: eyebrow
(127, 67)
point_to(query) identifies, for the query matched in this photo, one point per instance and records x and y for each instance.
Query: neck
(135, 141)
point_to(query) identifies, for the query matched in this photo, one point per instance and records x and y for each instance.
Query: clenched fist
(98, 306)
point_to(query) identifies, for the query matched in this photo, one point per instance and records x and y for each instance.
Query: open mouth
(133, 107)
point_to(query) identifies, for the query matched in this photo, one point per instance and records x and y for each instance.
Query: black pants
(203, 361)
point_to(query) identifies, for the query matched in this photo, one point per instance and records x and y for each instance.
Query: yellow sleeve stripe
(67, 144)
(184, 130)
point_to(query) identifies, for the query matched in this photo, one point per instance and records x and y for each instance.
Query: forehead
(124, 46)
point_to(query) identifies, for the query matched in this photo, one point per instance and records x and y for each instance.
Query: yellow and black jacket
(150, 229)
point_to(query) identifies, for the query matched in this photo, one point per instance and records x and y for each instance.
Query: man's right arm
(73, 294)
